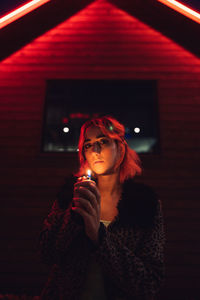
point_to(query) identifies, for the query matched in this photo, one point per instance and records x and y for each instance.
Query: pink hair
(129, 162)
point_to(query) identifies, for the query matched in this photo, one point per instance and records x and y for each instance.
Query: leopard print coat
(130, 250)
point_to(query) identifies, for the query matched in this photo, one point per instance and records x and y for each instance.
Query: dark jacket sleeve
(138, 273)
(60, 228)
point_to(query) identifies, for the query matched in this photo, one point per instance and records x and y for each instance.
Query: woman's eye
(99, 143)
(87, 146)
(104, 141)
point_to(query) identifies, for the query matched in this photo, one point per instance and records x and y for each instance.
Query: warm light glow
(65, 120)
(186, 11)
(79, 116)
(20, 12)
(89, 173)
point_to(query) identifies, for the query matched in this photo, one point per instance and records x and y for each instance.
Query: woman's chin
(103, 172)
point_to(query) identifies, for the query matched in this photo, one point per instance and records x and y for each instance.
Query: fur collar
(138, 204)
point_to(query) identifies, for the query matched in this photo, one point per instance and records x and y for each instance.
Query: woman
(104, 237)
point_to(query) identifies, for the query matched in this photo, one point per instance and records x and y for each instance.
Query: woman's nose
(96, 147)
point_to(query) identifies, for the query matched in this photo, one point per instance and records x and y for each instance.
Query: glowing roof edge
(184, 10)
(20, 12)
(30, 6)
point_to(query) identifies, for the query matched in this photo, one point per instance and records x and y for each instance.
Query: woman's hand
(87, 203)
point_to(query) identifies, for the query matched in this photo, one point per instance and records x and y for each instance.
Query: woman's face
(101, 152)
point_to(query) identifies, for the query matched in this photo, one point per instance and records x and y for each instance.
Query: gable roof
(172, 24)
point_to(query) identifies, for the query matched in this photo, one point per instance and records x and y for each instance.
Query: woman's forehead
(93, 132)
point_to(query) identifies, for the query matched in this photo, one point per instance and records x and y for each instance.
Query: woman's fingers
(91, 186)
(87, 194)
(84, 204)
(87, 204)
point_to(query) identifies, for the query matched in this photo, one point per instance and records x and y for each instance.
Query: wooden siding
(99, 42)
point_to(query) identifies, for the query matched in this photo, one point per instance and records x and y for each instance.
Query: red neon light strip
(21, 11)
(186, 11)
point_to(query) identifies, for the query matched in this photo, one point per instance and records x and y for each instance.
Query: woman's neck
(109, 185)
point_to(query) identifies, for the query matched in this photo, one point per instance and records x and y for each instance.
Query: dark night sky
(8, 5)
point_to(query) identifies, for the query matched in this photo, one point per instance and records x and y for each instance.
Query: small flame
(89, 173)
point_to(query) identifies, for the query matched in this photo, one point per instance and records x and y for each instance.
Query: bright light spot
(89, 173)
(136, 129)
(66, 129)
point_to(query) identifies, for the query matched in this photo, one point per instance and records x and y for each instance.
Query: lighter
(86, 177)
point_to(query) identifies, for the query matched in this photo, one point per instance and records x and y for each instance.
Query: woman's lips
(98, 161)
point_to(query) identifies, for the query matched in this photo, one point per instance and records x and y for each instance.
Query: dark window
(69, 103)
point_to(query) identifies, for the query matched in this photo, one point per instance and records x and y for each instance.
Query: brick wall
(99, 42)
